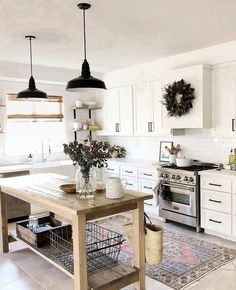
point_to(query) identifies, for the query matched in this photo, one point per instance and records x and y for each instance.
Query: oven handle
(190, 188)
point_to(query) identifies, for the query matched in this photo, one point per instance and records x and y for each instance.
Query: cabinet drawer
(113, 169)
(131, 183)
(216, 221)
(216, 184)
(220, 201)
(148, 174)
(129, 171)
(147, 186)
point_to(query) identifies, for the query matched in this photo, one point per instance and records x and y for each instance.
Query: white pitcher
(115, 187)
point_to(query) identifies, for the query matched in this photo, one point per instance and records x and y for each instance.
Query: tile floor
(21, 269)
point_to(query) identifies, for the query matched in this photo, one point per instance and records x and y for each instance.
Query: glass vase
(85, 183)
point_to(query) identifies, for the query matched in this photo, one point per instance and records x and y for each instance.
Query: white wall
(196, 143)
(20, 72)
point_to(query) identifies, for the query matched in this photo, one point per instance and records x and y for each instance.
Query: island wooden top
(44, 190)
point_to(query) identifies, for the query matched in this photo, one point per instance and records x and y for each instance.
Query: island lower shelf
(114, 277)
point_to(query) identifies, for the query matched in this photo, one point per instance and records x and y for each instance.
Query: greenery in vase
(88, 154)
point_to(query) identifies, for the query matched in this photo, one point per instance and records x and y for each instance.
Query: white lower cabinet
(138, 179)
(129, 171)
(131, 183)
(111, 170)
(147, 186)
(216, 184)
(219, 201)
(216, 221)
(216, 205)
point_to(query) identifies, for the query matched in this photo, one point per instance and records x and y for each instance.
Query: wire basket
(103, 248)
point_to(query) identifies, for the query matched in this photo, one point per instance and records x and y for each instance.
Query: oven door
(178, 198)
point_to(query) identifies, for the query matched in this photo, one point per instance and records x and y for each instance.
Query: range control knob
(191, 179)
(161, 174)
(185, 178)
(166, 175)
(173, 176)
(178, 177)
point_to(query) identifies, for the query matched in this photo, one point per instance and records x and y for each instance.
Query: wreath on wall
(178, 98)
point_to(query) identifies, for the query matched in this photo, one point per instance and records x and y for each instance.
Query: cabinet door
(112, 112)
(157, 106)
(143, 108)
(224, 102)
(126, 110)
(216, 221)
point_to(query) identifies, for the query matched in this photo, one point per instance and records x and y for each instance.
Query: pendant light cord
(31, 68)
(85, 55)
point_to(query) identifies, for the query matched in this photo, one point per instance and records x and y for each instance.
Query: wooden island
(43, 190)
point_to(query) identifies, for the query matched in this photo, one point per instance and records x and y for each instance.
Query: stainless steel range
(180, 193)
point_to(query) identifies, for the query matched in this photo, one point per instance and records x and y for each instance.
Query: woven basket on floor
(153, 242)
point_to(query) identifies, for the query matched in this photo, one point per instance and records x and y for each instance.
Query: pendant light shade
(85, 81)
(32, 92)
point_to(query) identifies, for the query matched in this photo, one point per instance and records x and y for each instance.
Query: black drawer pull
(233, 128)
(130, 184)
(146, 203)
(213, 200)
(215, 184)
(147, 187)
(146, 174)
(218, 222)
(111, 169)
(126, 171)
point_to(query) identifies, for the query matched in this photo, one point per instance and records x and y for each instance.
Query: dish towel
(157, 192)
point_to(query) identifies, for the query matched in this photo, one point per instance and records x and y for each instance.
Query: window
(33, 123)
(45, 110)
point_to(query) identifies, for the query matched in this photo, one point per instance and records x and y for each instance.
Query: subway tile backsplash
(195, 144)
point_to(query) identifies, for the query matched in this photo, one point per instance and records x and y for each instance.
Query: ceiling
(120, 33)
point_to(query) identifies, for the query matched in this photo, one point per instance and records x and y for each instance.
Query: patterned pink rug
(185, 258)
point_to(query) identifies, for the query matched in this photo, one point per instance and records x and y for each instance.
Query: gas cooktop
(195, 167)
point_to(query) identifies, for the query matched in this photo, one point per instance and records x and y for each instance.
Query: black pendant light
(32, 92)
(85, 80)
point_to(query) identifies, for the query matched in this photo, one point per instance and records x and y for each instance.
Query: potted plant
(117, 151)
(87, 155)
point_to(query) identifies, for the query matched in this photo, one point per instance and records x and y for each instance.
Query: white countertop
(20, 167)
(134, 162)
(214, 172)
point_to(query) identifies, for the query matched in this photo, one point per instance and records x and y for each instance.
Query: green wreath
(178, 98)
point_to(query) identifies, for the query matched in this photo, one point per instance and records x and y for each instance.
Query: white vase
(172, 159)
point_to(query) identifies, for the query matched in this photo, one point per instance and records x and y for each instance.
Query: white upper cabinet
(224, 101)
(112, 111)
(119, 111)
(147, 108)
(199, 76)
(143, 108)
